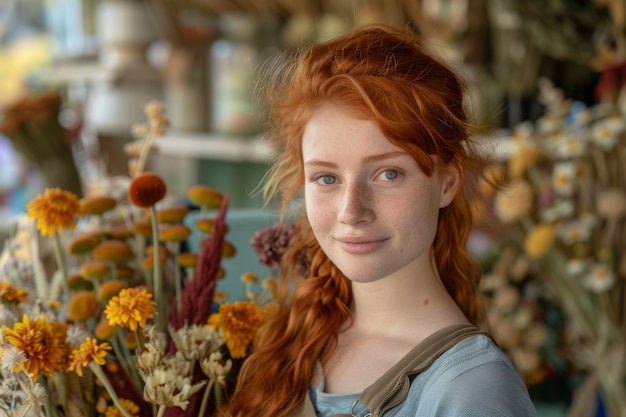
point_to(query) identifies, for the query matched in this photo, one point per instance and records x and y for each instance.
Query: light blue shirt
(472, 379)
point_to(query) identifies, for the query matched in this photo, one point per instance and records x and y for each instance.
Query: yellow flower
(229, 250)
(83, 305)
(129, 406)
(83, 244)
(94, 269)
(54, 210)
(204, 196)
(12, 294)
(240, 322)
(172, 214)
(89, 351)
(96, 205)
(514, 201)
(539, 240)
(113, 251)
(110, 289)
(131, 307)
(174, 233)
(43, 344)
(187, 259)
(105, 331)
(249, 278)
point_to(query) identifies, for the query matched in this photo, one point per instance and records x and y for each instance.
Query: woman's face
(372, 209)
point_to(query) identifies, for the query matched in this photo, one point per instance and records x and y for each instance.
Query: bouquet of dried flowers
(561, 212)
(119, 319)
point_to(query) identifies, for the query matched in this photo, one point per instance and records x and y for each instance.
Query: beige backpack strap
(396, 380)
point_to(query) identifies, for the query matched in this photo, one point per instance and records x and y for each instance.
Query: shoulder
(472, 378)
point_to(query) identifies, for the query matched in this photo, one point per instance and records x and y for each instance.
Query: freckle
(426, 301)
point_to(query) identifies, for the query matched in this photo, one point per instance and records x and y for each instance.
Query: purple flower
(270, 243)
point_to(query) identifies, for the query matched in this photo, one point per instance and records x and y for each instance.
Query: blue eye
(327, 180)
(390, 174)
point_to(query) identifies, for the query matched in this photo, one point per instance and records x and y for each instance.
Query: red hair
(385, 75)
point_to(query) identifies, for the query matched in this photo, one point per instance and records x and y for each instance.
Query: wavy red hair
(383, 74)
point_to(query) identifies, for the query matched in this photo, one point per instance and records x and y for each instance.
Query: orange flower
(172, 214)
(83, 305)
(204, 196)
(187, 260)
(12, 294)
(104, 330)
(146, 190)
(113, 251)
(130, 308)
(110, 289)
(54, 210)
(89, 351)
(77, 282)
(249, 278)
(539, 240)
(130, 407)
(83, 244)
(95, 269)
(240, 322)
(43, 343)
(120, 232)
(96, 205)
(143, 229)
(229, 250)
(174, 233)
(124, 271)
(205, 225)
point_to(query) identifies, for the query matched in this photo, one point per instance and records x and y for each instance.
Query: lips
(358, 246)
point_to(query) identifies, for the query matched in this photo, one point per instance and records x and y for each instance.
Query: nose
(356, 205)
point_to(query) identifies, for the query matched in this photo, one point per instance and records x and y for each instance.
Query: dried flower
(95, 269)
(89, 351)
(82, 305)
(11, 294)
(270, 243)
(130, 308)
(195, 342)
(142, 229)
(514, 201)
(83, 244)
(173, 214)
(96, 205)
(109, 289)
(130, 407)
(187, 260)
(174, 233)
(205, 225)
(146, 190)
(54, 210)
(166, 388)
(104, 330)
(43, 343)
(113, 251)
(239, 321)
(216, 368)
(204, 196)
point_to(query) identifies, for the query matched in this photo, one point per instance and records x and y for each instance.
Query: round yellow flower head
(240, 322)
(131, 308)
(187, 260)
(116, 251)
(142, 229)
(124, 271)
(174, 233)
(94, 269)
(146, 190)
(96, 205)
(249, 278)
(120, 232)
(12, 294)
(89, 351)
(83, 305)
(55, 210)
(205, 225)
(229, 250)
(204, 196)
(173, 214)
(104, 330)
(109, 289)
(83, 244)
(77, 282)
(129, 406)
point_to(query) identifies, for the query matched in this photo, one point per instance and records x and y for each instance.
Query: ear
(450, 183)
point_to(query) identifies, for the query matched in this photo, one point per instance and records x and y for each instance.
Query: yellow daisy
(89, 351)
(131, 307)
(54, 210)
(240, 322)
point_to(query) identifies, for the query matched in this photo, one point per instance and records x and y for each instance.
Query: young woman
(374, 138)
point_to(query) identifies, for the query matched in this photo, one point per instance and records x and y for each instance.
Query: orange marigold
(130, 308)
(239, 321)
(43, 343)
(54, 210)
(89, 351)
(12, 294)
(146, 190)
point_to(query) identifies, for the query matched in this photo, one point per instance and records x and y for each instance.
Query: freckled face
(372, 209)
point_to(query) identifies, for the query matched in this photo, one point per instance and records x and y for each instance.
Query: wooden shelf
(204, 145)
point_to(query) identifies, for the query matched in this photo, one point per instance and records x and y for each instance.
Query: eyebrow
(368, 159)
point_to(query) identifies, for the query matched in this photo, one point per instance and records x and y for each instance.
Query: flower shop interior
(96, 94)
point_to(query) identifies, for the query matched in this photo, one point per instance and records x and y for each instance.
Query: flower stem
(205, 397)
(156, 268)
(99, 373)
(58, 253)
(177, 279)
